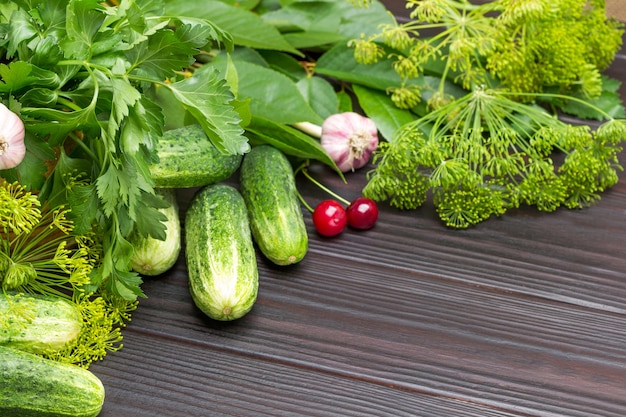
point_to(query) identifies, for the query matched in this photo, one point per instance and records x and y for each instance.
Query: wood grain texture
(522, 315)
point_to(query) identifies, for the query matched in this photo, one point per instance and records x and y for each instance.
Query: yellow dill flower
(395, 35)
(19, 209)
(366, 51)
(405, 97)
(406, 67)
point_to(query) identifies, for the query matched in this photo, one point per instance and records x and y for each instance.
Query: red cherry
(362, 213)
(329, 218)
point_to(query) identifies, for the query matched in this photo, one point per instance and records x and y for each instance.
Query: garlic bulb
(349, 139)
(12, 148)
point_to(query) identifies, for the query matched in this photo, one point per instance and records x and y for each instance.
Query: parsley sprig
(84, 75)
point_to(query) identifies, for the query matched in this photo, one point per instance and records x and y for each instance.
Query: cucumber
(154, 256)
(38, 324)
(220, 254)
(268, 187)
(187, 159)
(32, 386)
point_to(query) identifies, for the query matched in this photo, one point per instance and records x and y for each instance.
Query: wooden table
(523, 315)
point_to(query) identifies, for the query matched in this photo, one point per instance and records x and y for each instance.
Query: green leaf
(160, 55)
(345, 102)
(378, 106)
(113, 189)
(207, 97)
(339, 62)
(289, 140)
(321, 16)
(246, 28)
(21, 29)
(83, 201)
(284, 63)
(366, 21)
(311, 38)
(19, 74)
(320, 95)
(84, 19)
(125, 95)
(609, 102)
(57, 123)
(273, 95)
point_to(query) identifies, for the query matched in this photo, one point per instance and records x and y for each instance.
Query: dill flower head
(366, 51)
(406, 67)
(523, 10)
(405, 97)
(396, 36)
(426, 10)
(19, 209)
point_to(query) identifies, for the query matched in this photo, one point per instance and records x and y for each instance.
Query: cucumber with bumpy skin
(155, 256)
(187, 158)
(32, 386)
(38, 324)
(221, 259)
(268, 187)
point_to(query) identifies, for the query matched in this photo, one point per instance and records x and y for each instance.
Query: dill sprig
(486, 153)
(39, 254)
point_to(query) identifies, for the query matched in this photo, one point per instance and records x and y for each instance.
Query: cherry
(362, 213)
(329, 218)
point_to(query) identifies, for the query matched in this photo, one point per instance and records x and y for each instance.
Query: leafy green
(273, 95)
(85, 76)
(245, 27)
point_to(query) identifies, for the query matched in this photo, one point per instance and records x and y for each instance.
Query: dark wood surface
(523, 315)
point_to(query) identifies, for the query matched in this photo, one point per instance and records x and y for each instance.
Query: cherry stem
(305, 172)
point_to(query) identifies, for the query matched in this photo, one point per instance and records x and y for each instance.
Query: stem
(68, 103)
(305, 172)
(84, 147)
(309, 128)
(304, 203)
(566, 97)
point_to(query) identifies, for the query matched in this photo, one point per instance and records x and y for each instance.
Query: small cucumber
(38, 324)
(154, 256)
(268, 187)
(32, 386)
(187, 158)
(221, 259)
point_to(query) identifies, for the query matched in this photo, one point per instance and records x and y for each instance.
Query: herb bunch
(40, 255)
(493, 149)
(527, 46)
(83, 76)
(486, 153)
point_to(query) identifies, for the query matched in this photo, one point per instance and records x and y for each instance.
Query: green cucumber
(38, 324)
(154, 256)
(220, 254)
(187, 158)
(268, 187)
(31, 386)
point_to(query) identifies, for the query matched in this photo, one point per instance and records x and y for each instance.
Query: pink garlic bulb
(349, 139)
(12, 148)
